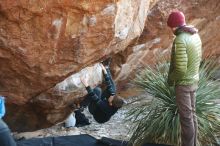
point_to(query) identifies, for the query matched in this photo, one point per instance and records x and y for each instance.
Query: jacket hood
(187, 29)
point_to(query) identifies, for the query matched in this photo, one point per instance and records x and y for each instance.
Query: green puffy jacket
(185, 58)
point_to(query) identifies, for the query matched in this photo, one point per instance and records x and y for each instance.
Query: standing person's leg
(6, 138)
(193, 104)
(183, 101)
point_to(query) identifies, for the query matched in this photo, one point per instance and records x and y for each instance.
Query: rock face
(157, 38)
(44, 42)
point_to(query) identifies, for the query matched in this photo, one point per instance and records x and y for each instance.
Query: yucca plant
(157, 121)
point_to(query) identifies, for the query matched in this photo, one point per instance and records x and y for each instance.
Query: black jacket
(102, 111)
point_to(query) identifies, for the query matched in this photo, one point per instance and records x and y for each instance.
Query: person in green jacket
(184, 73)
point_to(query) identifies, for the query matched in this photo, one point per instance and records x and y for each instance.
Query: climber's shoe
(107, 61)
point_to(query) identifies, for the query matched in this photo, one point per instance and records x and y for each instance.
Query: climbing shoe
(107, 61)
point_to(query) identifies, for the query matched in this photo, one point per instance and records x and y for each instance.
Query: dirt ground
(115, 128)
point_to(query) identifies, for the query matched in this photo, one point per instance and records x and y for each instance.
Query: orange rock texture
(44, 42)
(156, 38)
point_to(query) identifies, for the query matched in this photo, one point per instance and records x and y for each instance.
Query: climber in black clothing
(103, 104)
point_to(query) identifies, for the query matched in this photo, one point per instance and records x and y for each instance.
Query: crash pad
(75, 140)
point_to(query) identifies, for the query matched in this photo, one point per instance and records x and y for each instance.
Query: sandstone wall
(44, 42)
(157, 38)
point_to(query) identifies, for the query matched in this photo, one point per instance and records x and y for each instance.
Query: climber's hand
(103, 69)
(110, 99)
(84, 80)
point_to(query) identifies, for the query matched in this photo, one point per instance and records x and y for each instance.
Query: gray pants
(185, 100)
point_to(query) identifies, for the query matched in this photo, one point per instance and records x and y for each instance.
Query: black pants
(103, 94)
(6, 138)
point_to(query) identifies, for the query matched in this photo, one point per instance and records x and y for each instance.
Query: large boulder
(44, 42)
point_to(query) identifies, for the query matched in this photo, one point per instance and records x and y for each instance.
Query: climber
(103, 104)
(6, 138)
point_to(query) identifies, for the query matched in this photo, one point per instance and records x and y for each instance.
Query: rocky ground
(116, 128)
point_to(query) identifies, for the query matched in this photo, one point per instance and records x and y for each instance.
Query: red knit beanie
(175, 19)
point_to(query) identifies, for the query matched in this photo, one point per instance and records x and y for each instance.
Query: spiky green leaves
(158, 121)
